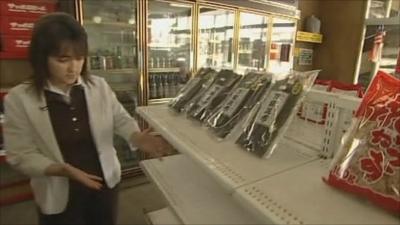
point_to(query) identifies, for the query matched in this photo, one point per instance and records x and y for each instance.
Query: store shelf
(299, 196)
(164, 70)
(285, 189)
(222, 159)
(114, 71)
(308, 37)
(192, 195)
(163, 216)
(109, 24)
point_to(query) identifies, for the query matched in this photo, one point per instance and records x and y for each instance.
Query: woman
(59, 129)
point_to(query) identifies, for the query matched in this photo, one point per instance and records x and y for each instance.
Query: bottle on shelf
(165, 85)
(153, 86)
(171, 88)
(160, 86)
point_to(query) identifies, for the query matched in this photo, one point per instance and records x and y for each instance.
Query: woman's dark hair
(53, 34)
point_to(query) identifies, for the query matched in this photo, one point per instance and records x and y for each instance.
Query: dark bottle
(153, 86)
(161, 86)
(158, 88)
(165, 85)
(176, 83)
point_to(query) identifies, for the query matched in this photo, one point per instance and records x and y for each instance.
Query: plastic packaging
(239, 102)
(265, 128)
(206, 100)
(192, 88)
(368, 160)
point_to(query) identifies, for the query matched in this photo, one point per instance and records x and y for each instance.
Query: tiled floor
(136, 196)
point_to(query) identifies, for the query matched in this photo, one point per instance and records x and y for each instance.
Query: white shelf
(300, 196)
(232, 166)
(285, 189)
(163, 216)
(164, 70)
(192, 195)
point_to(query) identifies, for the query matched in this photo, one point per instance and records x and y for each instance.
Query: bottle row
(164, 85)
(111, 62)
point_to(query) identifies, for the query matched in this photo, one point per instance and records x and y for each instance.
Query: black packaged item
(239, 102)
(276, 109)
(192, 88)
(207, 101)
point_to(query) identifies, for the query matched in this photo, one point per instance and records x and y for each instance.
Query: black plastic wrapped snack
(192, 88)
(265, 129)
(239, 102)
(207, 101)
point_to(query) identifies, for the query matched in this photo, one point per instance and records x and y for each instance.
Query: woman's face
(65, 68)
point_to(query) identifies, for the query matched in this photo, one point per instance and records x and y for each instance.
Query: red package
(315, 112)
(26, 8)
(16, 25)
(368, 161)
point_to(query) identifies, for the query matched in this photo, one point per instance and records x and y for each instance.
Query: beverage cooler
(148, 49)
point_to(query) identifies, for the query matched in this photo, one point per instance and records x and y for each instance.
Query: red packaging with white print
(368, 161)
(312, 111)
(17, 25)
(26, 8)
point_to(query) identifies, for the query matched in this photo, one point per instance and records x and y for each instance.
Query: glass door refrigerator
(282, 45)
(253, 37)
(113, 55)
(216, 37)
(169, 56)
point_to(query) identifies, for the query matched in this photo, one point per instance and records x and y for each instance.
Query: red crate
(17, 25)
(26, 8)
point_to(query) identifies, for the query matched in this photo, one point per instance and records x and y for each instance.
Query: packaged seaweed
(239, 102)
(206, 101)
(368, 160)
(275, 111)
(192, 87)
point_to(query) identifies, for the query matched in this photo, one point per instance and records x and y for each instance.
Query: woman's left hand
(152, 144)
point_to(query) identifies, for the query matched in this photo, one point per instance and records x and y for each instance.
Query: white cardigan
(31, 144)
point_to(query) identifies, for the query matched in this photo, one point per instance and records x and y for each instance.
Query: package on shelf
(368, 160)
(272, 115)
(202, 80)
(355, 90)
(239, 102)
(205, 102)
(312, 111)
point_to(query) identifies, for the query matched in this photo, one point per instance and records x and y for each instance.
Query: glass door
(112, 36)
(281, 48)
(253, 34)
(169, 46)
(215, 38)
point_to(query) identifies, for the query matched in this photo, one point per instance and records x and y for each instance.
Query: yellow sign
(309, 37)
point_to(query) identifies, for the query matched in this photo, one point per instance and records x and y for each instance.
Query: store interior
(259, 99)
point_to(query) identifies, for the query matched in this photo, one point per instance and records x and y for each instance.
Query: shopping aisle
(136, 194)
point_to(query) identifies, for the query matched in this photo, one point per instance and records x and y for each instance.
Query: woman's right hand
(88, 180)
(66, 170)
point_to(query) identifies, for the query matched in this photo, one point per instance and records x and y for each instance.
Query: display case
(112, 36)
(148, 49)
(282, 43)
(216, 33)
(169, 48)
(253, 37)
(380, 43)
